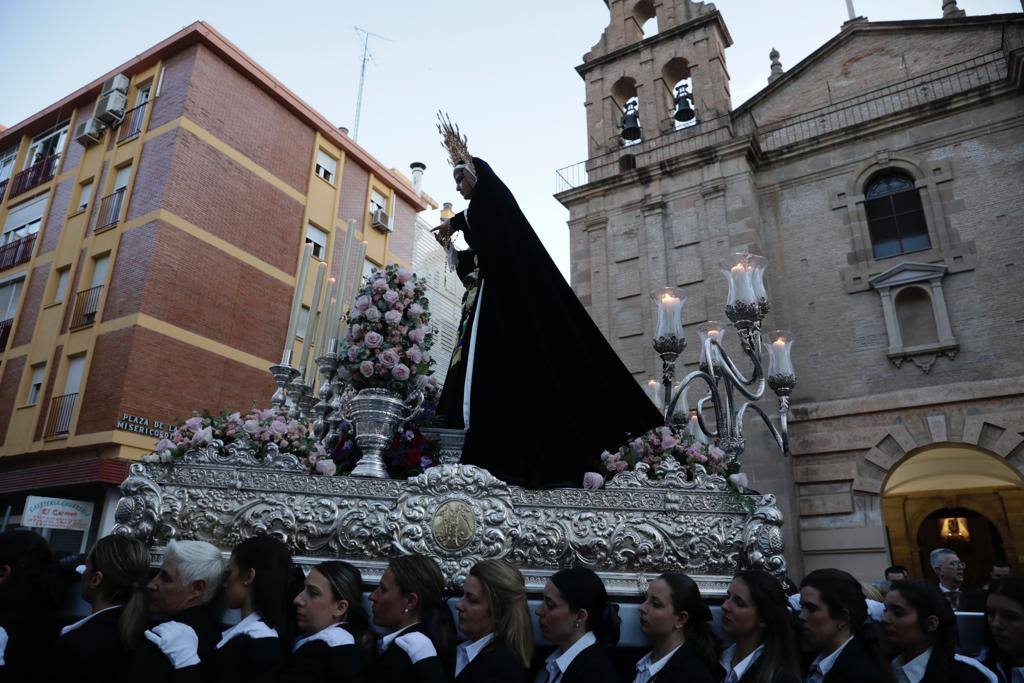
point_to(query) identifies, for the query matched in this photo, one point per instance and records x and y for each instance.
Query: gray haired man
(950, 571)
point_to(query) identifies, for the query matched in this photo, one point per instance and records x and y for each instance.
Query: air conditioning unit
(111, 108)
(117, 83)
(381, 220)
(89, 132)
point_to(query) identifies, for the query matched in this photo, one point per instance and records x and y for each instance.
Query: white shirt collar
(334, 635)
(386, 641)
(562, 660)
(912, 671)
(741, 666)
(251, 626)
(825, 663)
(467, 652)
(81, 622)
(948, 590)
(651, 668)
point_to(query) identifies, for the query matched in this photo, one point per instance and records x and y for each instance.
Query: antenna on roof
(367, 57)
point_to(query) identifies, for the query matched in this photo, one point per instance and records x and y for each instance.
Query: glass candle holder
(739, 272)
(758, 265)
(780, 344)
(668, 306)
(714, 331)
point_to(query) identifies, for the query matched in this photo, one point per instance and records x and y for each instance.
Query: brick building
(881, 177)
(147, 264)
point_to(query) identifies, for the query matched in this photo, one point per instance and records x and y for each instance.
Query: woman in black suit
(921, 626)
(336, 640)
(756, 616)
(1004, 607)
(494, 615)
(575, 615)
(260, 584)
(677, 622)
(832, 618)
(30, 592)
(95, 649)
(409, 603)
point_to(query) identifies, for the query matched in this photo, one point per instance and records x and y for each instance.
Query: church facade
(881, 177)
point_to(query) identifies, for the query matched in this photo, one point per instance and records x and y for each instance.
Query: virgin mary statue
(533, 381)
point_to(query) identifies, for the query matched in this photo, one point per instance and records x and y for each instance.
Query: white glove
(3, 645)
(417, 646)
(178, 642)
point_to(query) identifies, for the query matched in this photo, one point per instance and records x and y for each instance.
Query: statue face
(464, 183)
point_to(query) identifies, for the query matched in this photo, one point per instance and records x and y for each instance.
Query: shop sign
(43, 512)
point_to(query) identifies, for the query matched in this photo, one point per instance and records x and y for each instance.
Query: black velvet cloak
(549, 393)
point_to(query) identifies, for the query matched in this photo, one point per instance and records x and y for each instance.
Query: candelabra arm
(735, 376)
(781, 436)
(713, 395)
(713, 433)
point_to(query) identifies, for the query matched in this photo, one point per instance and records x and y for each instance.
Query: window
(10, 292)
(895, 217)
(24, 219)
(61, 290)
(121, 179)
(99, 270)
(916, 319)
(35, 388)
(76, 369)
(84, 194)
(318, 238)
(7, 162)
(378, 202)
(142, 96)
(326, 166)
(47, 144)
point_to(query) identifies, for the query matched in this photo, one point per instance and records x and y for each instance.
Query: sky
(505, 71)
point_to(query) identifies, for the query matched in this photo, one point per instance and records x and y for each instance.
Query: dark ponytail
(347, 584)
(686, 598)
(583, 589)
(273, 584)
(779, 640)
(124, 564)
(927, 601)
(421, 575)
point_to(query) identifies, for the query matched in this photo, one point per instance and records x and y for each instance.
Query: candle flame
(781, 341)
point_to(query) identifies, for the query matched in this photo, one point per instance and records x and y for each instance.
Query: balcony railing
(5, 332)
(3, 188)
(36, 174)
(17, 252)
(131, 124)
(58, 421)
(110, 210)
(87, 303)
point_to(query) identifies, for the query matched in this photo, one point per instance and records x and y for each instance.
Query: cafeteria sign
(56, 513)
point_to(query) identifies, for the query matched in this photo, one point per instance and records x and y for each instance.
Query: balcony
(36, 174)
(87, 303)
(5, 332)
(131, 124)
(58, 421)
(17, 252)
(3, 189)
(110, 210)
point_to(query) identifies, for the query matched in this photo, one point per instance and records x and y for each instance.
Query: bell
(684, 106)
(631, 123)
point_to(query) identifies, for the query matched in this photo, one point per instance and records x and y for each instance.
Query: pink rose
(404, 275)
(251, 427)
(344, 374)
(366, 368)
(279, 427)
(353, 353)
(388, 358)
(739, 481)
(717, 454)
(415, 309)
(372, 314)
(326, 467)
(164, 445)
(374, 340)
(592, 481)
(363, 302)
(415, 355)
(391, 296)
(400, 372)
(380, 284)
(393, 317)
(194, 424)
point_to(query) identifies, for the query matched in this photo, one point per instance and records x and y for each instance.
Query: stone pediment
(907, 272)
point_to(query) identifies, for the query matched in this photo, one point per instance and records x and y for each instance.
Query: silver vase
(375, 415)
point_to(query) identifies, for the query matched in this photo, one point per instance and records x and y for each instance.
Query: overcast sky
(504, 70)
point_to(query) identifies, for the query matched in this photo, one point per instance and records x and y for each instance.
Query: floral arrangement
(661, 443)
(257, 429)
(407, 455)
(389, 336)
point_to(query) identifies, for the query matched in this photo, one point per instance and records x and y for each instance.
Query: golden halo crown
(454, 142)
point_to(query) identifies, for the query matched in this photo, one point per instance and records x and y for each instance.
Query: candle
(779, 361)
(694, 430)
(710, 331)
(350, 292)
(654, 393)
(740, 277)
(293, 318)
(324, 329)
(343, 278)
(670, 313)
(307, 340)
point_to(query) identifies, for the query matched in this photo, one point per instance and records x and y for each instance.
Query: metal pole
(367, 56)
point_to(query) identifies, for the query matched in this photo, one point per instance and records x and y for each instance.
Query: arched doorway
(952, 482)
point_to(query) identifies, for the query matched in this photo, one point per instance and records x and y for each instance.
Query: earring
(576, 625)
(406, 610)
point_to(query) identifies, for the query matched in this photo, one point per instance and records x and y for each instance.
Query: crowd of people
(167, 626)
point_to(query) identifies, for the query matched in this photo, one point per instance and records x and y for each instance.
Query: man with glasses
(950, 571)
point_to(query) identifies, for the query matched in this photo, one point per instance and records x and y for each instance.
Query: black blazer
(592, 665)
(958, 672)
(856, 665)
(30, 635)
(686, 667)
(92, 653)
(245, 659)
(778, 677)
(316, 662)
(394, 666)
(496, 664)
(150, 665)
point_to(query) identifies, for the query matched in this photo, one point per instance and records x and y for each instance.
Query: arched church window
(676, 77)
(646, 18)
(916, 317)
(895, 217)
(624, 95)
